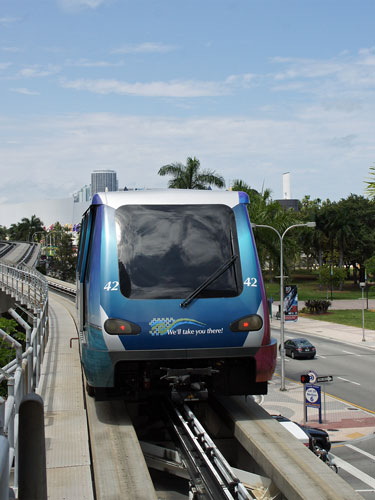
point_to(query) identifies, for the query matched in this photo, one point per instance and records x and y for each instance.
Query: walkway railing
(29, 291)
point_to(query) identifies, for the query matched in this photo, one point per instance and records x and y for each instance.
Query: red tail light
(247, 323)
(121, 327)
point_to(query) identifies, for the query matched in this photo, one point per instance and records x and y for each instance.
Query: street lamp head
(311, 224)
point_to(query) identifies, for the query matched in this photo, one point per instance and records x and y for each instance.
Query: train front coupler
(188, 384)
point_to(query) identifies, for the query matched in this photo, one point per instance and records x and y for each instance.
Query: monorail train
(170, 295)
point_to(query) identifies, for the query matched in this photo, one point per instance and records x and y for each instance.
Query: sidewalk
(333, 331)
(342, 421)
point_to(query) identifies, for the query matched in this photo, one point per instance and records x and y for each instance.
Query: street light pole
(282, 312)
(362, 285)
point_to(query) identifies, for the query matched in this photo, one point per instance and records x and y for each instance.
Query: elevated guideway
(16, 253)
(118, 463)
(93, 451)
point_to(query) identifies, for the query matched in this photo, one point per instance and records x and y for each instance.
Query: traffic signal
(305, 379)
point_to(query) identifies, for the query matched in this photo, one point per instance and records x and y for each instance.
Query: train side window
(87, 242)
(82, 240)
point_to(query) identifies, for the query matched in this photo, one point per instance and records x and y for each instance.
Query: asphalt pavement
(342, 420)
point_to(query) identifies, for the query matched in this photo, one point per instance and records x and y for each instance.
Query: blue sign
(313, 395)
(313, 399)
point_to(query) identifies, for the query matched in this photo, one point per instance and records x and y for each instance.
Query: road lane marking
(352, 353)
(372, 457)
(346, 380)
(362, 476)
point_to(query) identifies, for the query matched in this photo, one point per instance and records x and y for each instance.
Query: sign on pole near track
(325, 378)
(313, 376)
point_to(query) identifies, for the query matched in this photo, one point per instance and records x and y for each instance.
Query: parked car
(299, 348)
(294, 429)
(317, 437)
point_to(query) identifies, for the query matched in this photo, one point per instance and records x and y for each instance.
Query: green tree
(3, 233)
(370, 189)
(349, 226)
(63, 263)
(7, 352)
(190, 176)
(263, 210)
(314, 244)
(24, 230)
(329, 275)
(370, 267)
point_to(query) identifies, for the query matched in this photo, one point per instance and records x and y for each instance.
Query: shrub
(331, 275)
(317, 306)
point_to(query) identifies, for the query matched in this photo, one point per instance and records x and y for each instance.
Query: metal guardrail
(28, 288)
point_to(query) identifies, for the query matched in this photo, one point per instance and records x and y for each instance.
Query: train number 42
(251, 282)
(111, 286)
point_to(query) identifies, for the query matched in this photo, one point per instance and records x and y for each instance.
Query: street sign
(326, 378)
(313, 376)
(313, 395)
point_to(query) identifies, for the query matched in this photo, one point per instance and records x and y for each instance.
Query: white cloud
(25, 91)
(37, 71)
(174, 88)
(77, 5)
(11, 49)
(344, 74)
(5, 65)
(85, 63)
(6, 21)
(326, 155)
(146, 47)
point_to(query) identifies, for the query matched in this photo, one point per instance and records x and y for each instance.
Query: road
(352, 368)
(356, 462)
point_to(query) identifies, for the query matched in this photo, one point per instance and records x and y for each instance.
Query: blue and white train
(170, 294)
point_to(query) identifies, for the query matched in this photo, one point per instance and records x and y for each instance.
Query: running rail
(27, 291)
(210, 473)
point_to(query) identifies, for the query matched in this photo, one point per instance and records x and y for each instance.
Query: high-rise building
(103, 180)
(84, 194)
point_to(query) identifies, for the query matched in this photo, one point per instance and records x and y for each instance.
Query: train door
(86, 236)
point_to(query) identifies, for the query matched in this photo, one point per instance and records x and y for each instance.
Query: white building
(103, 180)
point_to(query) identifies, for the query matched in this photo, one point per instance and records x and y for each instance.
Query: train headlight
(121, 327)
(249, 323)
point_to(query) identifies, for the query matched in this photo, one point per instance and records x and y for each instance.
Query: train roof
(116, 199)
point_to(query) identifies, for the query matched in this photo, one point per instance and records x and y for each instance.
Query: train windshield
(167, 251)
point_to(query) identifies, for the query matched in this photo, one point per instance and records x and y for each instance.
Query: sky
(252, 88)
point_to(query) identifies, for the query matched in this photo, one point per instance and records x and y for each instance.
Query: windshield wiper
(209, 280)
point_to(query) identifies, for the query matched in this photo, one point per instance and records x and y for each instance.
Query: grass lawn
(350, 317)
(309, 289)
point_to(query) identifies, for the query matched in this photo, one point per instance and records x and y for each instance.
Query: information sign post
(312, 393)
(313, 399)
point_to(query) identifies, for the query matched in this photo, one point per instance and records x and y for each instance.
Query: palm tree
(24, 230)
(370, 189)
(190, 176)
(263, 210)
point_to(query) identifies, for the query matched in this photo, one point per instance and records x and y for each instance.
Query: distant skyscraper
(287, 202)
(103, 180)
(84, 194)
